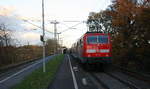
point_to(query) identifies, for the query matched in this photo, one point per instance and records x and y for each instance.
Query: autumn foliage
(129, 23)
(10, 55)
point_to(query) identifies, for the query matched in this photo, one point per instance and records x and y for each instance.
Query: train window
(82, 42)
(103, 39)
(92, 39)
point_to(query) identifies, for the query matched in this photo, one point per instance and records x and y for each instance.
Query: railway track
(127, 83)
(113, 81)
(138, 75)
(118, 78)
(111, 78)
(123, 84)
(99, 81)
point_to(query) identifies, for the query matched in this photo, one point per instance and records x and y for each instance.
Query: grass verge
(39, 80)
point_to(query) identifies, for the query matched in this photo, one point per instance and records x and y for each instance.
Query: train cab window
(92, 39)
(103, 39)
(81, 42)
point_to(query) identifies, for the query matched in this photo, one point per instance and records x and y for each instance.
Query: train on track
(93, 48)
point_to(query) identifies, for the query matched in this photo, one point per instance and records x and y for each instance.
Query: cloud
(28, 26)
(9, 18)
(7, 10)
(31, 36)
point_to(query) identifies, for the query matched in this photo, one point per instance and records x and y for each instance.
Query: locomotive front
(97, 48)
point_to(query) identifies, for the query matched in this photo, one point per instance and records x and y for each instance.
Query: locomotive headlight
(104, 50)
(91, 51)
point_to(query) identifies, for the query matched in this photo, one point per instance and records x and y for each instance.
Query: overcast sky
(60, 10)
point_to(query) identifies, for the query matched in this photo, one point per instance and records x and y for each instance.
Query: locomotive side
(93, 48)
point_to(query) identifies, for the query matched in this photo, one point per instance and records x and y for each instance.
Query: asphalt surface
(13, 77)
(72, 75)
(65, 79)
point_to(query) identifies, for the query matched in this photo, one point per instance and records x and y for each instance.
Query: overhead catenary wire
(37, 26)
(71, 27)
(60, 23)
(68, 28)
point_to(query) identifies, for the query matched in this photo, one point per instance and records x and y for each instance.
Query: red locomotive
(93, 47)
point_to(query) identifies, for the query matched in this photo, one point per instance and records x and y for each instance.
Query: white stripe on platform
(73, 75)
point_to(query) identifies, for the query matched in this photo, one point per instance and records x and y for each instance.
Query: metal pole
(58, 42)
(43, 26)
(55, 32)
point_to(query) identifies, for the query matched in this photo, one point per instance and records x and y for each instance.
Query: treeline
(128, 21)
(11, 53)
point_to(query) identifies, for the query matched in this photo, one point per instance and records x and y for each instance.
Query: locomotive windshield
(92, 39)
(103, 39)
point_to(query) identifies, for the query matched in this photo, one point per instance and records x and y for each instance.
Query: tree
(51, 45)
(130, 19)
(128, 22)
(5, 42)
(5, 37)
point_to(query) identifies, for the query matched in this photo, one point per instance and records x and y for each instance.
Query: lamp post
(43, 27)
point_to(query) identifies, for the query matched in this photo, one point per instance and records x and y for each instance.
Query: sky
(64, 11)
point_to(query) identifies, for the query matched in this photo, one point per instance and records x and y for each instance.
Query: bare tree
(5, 35)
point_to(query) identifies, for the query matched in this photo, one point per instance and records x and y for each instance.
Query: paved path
(7, 82)
(71, 76)
(63, 79)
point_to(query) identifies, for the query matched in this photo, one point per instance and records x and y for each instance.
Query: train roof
(94, 32)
